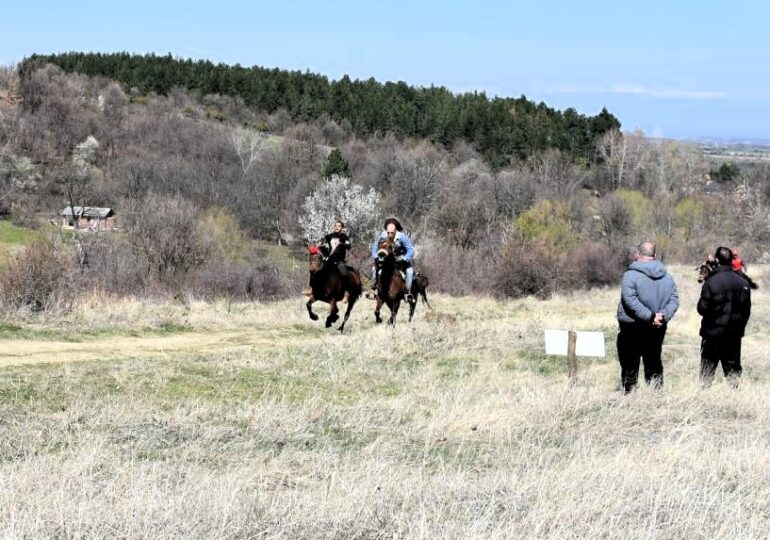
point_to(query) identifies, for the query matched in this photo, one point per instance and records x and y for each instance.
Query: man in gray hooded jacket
(648, 300)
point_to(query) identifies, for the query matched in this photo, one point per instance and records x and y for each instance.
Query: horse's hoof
(313, 317)
(328, 323)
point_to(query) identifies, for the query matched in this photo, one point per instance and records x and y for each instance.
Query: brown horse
(708, 266)
(391, 285)
(328, 285)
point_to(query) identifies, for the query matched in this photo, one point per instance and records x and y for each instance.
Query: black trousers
(340, 264)
(714, 350)
(342, 267)
(640, 341)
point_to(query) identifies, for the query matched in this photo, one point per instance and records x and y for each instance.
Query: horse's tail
(750, 281)
(425, 299)
(419, 287)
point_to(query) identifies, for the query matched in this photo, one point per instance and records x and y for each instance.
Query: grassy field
(135, 420)
(12, 238)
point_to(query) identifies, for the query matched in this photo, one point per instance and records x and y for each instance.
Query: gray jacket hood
(652, 269)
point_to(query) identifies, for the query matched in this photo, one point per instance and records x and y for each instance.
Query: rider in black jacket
(725, 305)
(339, 244)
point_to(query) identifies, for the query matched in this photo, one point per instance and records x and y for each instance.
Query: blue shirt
(402, 240)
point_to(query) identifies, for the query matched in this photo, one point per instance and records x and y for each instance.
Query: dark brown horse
(708, 266)
(391, 284)
(328, 285)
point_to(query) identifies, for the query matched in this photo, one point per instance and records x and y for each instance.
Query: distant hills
(741, 142)
(735, 148)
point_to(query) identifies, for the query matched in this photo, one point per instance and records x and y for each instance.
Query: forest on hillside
(203, 177)
(500, 129)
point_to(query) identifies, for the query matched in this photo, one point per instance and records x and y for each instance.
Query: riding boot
(409, 278)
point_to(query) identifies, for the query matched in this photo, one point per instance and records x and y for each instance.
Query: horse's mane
(387, 241)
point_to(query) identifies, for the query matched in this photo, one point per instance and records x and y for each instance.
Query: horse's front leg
(351, 303)
(377, 309)
(309, 303)
(394, 311)
(333, 313)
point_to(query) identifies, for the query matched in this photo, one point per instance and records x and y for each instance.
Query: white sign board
(588, 343)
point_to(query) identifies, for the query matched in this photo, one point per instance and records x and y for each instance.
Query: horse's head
(385, 248)
(316, 258)
(706, 267)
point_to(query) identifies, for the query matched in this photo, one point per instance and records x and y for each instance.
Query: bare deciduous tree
(415, 177)
(465, 210)
(74, 182)
(166, 234)
(624, 158)
(248, 144)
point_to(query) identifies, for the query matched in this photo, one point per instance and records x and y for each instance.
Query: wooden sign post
(572, 356)
(573, 344)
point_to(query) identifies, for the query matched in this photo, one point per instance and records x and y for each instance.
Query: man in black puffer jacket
(725, 304)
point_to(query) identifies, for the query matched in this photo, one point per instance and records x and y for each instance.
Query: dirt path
(31, 351)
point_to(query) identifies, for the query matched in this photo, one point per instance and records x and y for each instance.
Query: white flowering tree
(340, 199)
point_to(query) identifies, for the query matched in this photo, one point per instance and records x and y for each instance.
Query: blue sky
(680, 69)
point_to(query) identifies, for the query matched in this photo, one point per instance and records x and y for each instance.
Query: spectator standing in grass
(648, 301)
(725, 305)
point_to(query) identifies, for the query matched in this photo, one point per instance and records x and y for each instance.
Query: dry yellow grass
(277, 428)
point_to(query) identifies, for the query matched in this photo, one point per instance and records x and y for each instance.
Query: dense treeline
(500, 129)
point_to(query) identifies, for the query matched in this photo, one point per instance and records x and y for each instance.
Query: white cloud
(638, 90)
(575, 89)
(687, 94)
(628, 89)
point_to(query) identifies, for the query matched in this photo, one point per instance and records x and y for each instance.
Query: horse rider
(339, 244)
(403, 250)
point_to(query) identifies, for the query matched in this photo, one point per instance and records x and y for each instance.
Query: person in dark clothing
(725, 305)
(335, 246)
(648, 300)
(338, 244)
